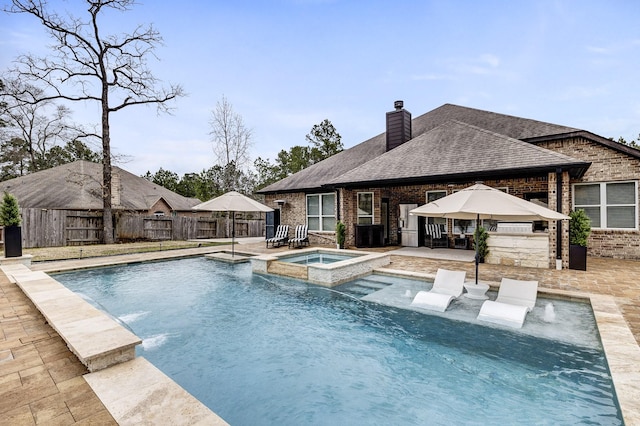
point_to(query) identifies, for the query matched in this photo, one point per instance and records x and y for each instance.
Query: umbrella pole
(233, 234)
(476, 244)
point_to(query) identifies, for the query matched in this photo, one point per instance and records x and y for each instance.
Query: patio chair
(434, 237)
(447, 286)
(301, 236)
(281, 237)
(515, 299)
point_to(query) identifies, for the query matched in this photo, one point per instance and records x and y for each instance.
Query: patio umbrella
(484, 202)
(232, 202)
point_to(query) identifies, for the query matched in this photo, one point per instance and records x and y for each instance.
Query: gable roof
(455, 150)
(485, 132)
(77, 186)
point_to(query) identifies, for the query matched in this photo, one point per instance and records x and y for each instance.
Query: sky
(286, 65)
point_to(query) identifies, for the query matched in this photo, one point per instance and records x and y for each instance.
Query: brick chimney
(398, 126)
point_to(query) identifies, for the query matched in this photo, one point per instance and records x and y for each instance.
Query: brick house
(420, 159)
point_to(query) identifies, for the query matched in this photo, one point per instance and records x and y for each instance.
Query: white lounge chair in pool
(515, 299)
(447, 286)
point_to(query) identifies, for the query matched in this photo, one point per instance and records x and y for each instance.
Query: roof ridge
(515, 117)
(517, 141)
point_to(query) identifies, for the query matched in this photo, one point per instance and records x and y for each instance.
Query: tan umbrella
(233, 202)
(484, 202)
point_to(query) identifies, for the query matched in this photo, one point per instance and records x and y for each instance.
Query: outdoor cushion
(281, 237)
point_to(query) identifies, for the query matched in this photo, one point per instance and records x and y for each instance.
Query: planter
(577, 257)
(12, 241)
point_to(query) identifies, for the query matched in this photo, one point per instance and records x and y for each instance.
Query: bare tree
(85, 65)
(231, 138)
(39, 126)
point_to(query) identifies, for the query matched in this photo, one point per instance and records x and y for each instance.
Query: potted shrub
(340, 234)
(10, 219)
(579, 230)
(480, 243)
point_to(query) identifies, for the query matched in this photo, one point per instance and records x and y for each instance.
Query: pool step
(366, 285)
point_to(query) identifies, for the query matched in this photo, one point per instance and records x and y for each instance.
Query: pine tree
(9, 211)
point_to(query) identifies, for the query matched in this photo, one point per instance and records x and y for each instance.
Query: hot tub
(322, 266)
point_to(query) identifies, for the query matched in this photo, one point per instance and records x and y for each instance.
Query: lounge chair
(301, 236)
(434, 237)
(515, 299)
(447, 286)
(281, 237)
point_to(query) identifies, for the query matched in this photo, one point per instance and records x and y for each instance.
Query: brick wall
(606, 165)
(294, 212)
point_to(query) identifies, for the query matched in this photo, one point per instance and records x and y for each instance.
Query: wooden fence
(55, 228)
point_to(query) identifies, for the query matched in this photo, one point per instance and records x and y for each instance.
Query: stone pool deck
(41, 381)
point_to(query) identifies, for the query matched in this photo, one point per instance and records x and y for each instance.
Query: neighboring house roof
(467, 141)
(456, 150)
(78, 186)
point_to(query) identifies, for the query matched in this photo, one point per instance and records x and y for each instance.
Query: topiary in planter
(340, 234)
(10, 219)
(579, 230)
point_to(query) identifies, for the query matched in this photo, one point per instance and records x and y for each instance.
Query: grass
(97, 250)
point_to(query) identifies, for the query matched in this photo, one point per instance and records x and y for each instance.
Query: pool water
(269, 350)
(315, 257)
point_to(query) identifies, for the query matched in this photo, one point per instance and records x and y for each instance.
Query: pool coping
(622, 353)
(621, 350)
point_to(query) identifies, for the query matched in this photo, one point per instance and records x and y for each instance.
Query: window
(365, 208)
(609, 205)
(433, 196)
(321, 212)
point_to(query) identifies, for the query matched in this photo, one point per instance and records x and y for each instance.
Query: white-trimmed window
(433, 196)
(365, 208)
(609, 205)
(321, 212)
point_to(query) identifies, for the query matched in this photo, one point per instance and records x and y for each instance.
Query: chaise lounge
(434, 236)
(447, 286)
(280, 238)
(515, 299)
(301, 236)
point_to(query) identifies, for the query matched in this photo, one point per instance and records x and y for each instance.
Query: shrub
(579, 228)
(480, 238)
(9, 211)
(340, 233)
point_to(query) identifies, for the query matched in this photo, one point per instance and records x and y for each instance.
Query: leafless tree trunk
(231, 138)
(88, 66)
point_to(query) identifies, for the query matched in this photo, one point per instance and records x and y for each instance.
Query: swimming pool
(258, 349)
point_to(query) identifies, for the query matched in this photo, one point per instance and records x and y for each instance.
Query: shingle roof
(317, 174)
(454, 149)
(77, 186)
(499, 130)
(507, 125)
